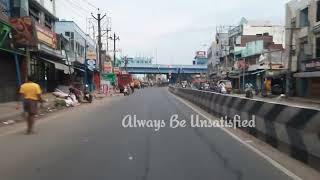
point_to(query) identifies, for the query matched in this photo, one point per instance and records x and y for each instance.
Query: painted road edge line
(264, 156)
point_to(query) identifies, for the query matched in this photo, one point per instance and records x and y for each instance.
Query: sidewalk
(9, 114)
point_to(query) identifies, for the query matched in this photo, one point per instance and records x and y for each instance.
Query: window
(318, 47)
(48, 22)
(304, 18)
(34, 13)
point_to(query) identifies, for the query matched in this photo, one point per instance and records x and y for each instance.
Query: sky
(168, 30)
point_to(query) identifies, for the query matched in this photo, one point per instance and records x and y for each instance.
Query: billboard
(201, 54)
(107, 67)
(22, 32)
(116, 70)
(46, 36)
(91, 60)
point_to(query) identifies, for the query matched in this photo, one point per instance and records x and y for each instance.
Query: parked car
(227, 85)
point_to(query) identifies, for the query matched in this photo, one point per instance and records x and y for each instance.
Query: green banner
(109, 77)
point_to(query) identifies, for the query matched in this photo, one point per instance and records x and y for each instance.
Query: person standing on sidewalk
(31, 95)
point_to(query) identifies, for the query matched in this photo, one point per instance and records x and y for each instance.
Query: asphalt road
(89, 143)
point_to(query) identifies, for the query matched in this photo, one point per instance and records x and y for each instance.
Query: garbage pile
(65, 99)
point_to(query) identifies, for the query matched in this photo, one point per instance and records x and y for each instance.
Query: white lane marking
(264, 156)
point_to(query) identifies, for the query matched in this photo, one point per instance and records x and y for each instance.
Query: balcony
(304, 31)
(316, 27)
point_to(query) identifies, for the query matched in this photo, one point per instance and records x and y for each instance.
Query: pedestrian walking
(30, 92)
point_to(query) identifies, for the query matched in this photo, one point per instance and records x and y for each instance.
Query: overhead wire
(73, 9)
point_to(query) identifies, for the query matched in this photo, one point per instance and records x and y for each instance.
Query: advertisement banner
(109, 77)
(241, 64)
(311, 65)
(107, 67)
(201, 54)
(22, 32)
(91, 60)
(46, 36)
(116, 70)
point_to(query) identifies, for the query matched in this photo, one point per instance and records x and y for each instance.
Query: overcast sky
(175, 29)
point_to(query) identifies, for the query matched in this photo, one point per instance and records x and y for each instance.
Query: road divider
(292, 130)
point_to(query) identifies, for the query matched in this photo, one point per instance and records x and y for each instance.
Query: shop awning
(275, 73)
(307, 74)
(79, 69)
(60, 66)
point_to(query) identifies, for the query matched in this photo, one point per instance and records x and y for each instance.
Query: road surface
(89, 142)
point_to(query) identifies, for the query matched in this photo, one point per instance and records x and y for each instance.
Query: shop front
(11, 60)
(46, 62)
(308, 80)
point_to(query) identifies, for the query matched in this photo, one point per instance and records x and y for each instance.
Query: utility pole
(289, 71)
(114, 38)
(108, 30)
(288, 75)
(99, 18)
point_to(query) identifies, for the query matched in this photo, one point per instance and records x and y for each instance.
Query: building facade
(213, 59)
(81, 52)
(200, 58)
(45, 60)
(303, 39)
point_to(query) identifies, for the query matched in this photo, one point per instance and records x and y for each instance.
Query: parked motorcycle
(249, 90)
(87, 96)
(126, 91)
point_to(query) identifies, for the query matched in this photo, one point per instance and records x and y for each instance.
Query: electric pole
(99, 18)
(289, 70)
(114, 38)
(108, 30)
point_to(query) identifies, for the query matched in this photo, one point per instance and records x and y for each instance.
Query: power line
(78, 6)
(90, 4)
(73, 9)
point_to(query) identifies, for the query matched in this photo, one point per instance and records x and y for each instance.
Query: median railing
(293, 130)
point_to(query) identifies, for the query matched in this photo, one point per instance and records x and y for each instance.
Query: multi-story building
(257, 59)
(33, 49)
(213, 59)
(303, 39)
(44, 56)
(11, 57)
(231, 41)
(200, 58)
(81, 52)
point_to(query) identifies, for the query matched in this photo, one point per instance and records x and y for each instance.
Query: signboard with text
(116, 70)
(91, 60)
(311, 65)
(107, 67)
(46, 36)
(201, 54)
(22, 32)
